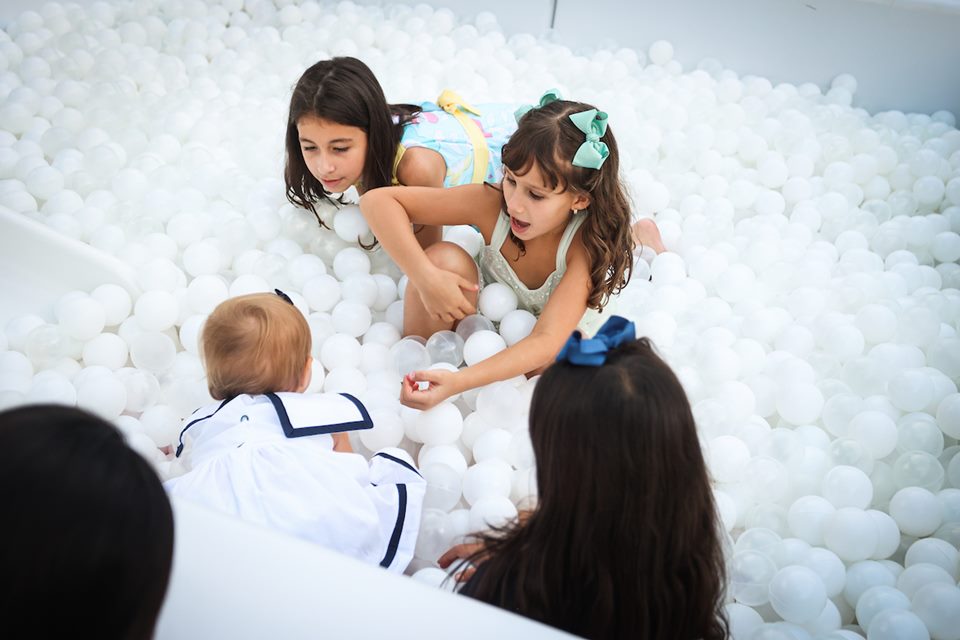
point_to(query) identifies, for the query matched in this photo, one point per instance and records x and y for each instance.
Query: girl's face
(536, 210)
(334, 153)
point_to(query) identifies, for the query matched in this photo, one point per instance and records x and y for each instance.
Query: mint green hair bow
(592, 153)
(550, 95)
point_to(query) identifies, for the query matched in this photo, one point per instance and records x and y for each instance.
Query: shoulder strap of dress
(567, 239)
(500, 231)
(396, 165)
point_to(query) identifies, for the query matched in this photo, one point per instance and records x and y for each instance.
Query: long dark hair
(624, 541)
(343, 90)
(546, 136)
(87, 528)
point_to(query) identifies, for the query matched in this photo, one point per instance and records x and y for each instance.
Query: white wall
(904, 53)
(904, 57)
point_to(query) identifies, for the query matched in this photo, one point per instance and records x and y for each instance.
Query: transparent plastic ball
(473, 323)
(409, 355)
(152, 351)
(797, 594)
(443, 487)
(445, 346)
(750, 576)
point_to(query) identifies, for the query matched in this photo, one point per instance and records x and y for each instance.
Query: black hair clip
(283, 296)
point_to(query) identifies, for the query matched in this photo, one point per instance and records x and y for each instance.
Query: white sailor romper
(269, 460)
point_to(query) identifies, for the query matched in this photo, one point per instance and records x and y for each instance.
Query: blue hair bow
(592, 352)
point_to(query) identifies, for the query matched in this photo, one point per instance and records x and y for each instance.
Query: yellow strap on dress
(396, 164)
(453, 104)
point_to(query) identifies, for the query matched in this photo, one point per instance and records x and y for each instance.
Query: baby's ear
(307, 375)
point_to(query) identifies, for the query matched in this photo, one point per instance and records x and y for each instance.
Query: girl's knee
(451, 257)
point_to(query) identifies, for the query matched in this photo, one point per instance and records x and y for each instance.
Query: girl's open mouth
(517, 226)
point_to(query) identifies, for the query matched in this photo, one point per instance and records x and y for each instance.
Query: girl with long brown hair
(557, 231)
(624, 541)
(342, 133)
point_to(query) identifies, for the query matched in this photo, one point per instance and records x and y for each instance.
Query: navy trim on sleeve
(298, 432)
(397, 528)
(402, 463)
(180, 439)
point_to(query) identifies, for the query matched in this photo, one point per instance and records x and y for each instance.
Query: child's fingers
(468, 285)
(428, 375)
(466, 574)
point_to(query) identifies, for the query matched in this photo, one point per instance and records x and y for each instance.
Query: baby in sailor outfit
(272, 455)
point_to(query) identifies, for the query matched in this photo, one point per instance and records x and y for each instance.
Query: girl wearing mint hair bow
(624, 541)
(556, 230)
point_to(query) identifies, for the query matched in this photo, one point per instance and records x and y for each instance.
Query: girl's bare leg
(448, 256)
(427, 235)
(646, 234)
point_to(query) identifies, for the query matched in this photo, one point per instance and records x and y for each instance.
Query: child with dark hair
(557, 231)
(341, 132)
(628, 546)
(87, 536)
(267, 454)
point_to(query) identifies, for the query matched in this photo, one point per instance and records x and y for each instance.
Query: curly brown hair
(546, 136)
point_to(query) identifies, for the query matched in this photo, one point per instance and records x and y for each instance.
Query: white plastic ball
(482, 345)
(938, 606)
(81, 317)
(340, 350)
(107, 349)
(441, 424)
(116, 302)
(387, 431)
(489, 478)
(156, 310)
(516, 325)
(352, 318)
(350, 261)
(497, 300)
(345, 380)
(916, 511)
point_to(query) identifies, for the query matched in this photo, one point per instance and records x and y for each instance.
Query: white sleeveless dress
(495, 268)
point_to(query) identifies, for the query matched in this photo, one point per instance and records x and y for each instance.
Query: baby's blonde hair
(254, 344)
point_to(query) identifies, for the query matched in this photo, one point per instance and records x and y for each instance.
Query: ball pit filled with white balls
(808, 302)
